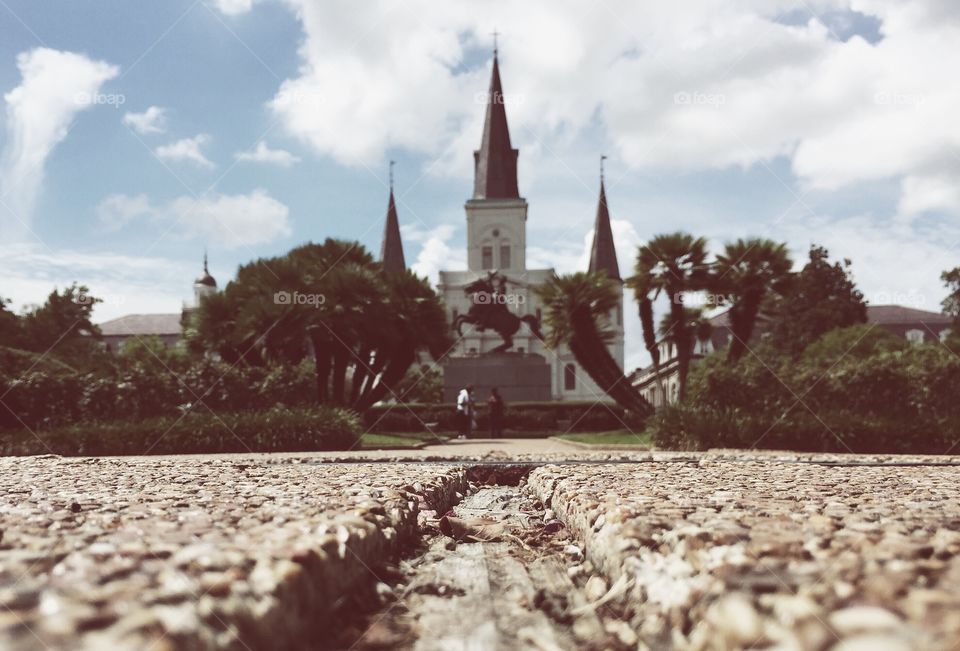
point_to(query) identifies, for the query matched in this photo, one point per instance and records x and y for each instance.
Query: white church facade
(496, 220)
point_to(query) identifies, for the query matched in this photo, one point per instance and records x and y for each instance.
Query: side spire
(495, 163)
(603, 254)
(206, 279)
(391, 251)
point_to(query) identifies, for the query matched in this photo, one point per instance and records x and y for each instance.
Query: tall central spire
(495, 174)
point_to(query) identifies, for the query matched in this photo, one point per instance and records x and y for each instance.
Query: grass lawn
(372, 441)
(618, 437)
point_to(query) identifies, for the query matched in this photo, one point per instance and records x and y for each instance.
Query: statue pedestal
(520, 377)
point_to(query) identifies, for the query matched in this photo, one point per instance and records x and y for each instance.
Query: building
(916, 326)
(167, 327)
(496, 217)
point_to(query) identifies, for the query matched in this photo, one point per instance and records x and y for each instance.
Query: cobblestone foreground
(193, 554)
(724, 550)
(718, 554)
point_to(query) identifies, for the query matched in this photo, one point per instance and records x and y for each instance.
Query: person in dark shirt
(495, 406)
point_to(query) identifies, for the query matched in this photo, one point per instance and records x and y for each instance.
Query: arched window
(486, 257)
(569, 377)
(505, 255)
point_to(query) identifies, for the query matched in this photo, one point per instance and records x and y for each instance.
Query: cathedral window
(486, 257)
(504, 256)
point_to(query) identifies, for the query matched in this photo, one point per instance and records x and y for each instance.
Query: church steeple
(391, 251)
(495, 173)
(603, 255)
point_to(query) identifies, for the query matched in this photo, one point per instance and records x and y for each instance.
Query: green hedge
(538, 417)
(856, 390)
(275, 430)
(43, 399)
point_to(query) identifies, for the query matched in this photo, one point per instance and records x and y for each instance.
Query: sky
(135, 136)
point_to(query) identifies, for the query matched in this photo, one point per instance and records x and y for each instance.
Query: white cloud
(230, 220)
(54, 87)
(263, 154)
(233, 7)
(118, 210)
(188, 149)
(875, 246)
(712, 85)
(153, 120)
(435, 253)
(126, 284)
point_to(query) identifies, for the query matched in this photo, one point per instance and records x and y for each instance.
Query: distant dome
(206, 279)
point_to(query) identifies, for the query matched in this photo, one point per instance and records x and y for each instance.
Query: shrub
(530, 417)
(275, 430)
(43, 398)
(855, 390)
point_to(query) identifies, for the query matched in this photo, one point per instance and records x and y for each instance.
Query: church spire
(391, 251)
(603, 255)
(495, 173)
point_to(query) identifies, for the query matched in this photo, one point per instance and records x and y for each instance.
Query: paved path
(701, 551)
(161, 554)
(509, 447)
(725, 554)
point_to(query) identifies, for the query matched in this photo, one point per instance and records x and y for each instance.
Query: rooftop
(142, 325)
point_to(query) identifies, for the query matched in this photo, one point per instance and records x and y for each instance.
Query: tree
(951, 304)
(577, 312)
(671, 265)
(821, 297)
(62, 327)
(151, 353)
(643, 291)
(11, 332)
(699, 328)
(745, 274)
(333, 302)
(422, 384)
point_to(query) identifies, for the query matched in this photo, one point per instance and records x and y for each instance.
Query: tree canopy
(820, 298)
(362, 326)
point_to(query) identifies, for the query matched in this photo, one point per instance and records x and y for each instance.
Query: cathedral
(496, 217)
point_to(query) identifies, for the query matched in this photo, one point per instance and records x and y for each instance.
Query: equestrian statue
(489, 311)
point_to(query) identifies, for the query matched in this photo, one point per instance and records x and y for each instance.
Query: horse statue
(489, 311)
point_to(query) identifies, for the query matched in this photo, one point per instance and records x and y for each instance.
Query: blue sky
(830, 122)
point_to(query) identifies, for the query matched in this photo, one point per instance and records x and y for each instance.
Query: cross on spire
(603, 157)
(392, 163)
(495, 34)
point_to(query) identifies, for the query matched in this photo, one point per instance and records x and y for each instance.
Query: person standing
(495, 407)
(465, 412)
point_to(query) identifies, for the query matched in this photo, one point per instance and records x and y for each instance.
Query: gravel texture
(725, 554)
(200, 553)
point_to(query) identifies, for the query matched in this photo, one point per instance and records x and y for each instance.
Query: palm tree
(698, 327)
(415, 320)
(577, 309)
(672, 265)
(746, 274)
(643, 293)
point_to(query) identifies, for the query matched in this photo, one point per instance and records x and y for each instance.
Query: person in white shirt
(465, 412)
